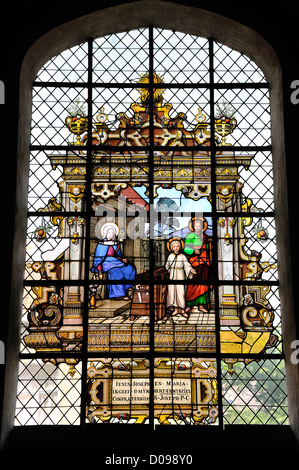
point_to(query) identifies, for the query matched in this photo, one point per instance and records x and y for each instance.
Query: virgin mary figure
(108, 259)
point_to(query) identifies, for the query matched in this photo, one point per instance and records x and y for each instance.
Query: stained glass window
(151, 290)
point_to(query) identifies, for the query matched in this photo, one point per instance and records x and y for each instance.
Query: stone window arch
(187, 20)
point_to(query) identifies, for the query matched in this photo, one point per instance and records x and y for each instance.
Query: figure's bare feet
(184, 314)
(202, 309)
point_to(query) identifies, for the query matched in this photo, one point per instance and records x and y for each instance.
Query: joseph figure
(198, 249)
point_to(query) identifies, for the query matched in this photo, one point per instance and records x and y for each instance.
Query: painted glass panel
(151, 238)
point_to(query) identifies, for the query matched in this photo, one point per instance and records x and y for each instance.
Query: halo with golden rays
(157, 92)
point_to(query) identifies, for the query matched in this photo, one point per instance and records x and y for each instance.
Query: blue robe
(115, 268)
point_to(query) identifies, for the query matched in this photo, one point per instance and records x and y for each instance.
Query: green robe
(198, 295)
(192, 242)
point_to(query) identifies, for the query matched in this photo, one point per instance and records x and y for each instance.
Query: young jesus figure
(179, 269)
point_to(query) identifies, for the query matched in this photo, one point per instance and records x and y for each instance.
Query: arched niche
(185, 19)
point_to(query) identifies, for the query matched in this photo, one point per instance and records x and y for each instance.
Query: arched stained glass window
(151, 289)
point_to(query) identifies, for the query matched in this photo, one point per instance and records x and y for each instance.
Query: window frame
(243, 39)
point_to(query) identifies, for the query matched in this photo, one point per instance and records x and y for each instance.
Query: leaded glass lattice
(151, 290)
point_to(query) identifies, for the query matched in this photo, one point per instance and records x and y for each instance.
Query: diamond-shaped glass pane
(254, 393)
(111, 104)
(258, 180)
(189, 102)
(121, 57)
(54, 110)
(48, 393)
(181, 58)
(69, 66)
(231, 66)
(251, 110)
(42, 181)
